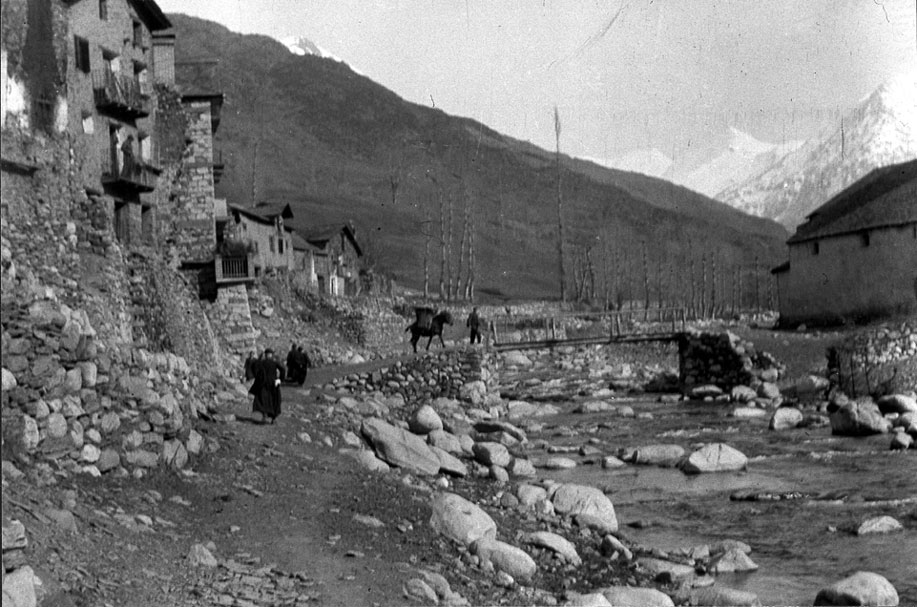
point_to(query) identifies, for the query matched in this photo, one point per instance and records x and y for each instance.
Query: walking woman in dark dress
(266, 388)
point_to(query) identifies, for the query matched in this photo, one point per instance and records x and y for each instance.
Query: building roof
(251, 214)
(273, 209)
(320, 235)
(151, 14)
(300, 243)
(883, 198)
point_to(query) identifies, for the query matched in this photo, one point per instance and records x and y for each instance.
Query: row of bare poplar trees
(705, 283)
(456, 277)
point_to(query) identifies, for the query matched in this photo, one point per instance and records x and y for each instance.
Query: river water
(801, 544)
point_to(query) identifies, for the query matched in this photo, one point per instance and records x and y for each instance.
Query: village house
(262, 230)
(84, 70)
(855, 258)
(110, 101)
(336, 257)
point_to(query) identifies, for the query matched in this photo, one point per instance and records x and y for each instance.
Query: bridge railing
(573, 327)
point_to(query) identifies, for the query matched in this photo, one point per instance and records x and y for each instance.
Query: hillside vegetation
(338, 146)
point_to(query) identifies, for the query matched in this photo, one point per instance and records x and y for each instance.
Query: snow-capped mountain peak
(743, 143)
(302, 46)
(881, 131)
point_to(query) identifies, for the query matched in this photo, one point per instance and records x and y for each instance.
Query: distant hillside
(337, 146)
(880, 132)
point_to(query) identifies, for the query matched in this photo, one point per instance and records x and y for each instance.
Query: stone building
(110, 106)
(337, 255)
(855, 258)
(263, 231)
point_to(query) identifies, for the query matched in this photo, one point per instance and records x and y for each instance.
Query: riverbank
(289, 516)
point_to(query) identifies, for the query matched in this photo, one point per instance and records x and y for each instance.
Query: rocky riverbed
(552, 481)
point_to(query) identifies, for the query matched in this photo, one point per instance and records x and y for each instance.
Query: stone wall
(430, 376)
(876, 361)
(187, 224)
(231, 318)
(167, 316)
(724, 360)
(87, 405)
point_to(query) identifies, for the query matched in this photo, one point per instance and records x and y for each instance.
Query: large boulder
(785, 418)
(897, 403)
(458, 519)
(495, 426)
(656, 455)
(579, 499)
(449, 464)
(721, 596)
(715, 457)
(861, 588)
(506, 558)
(879, 524)
(732, 561)
(492, 454)
(629, 596)
(858, 418)
(425, 420)
(560, 545)
(399, 447)
(445, 441)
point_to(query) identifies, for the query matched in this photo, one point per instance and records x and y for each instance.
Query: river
(801, 544)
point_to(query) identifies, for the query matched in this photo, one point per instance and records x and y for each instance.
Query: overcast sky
(669, 74)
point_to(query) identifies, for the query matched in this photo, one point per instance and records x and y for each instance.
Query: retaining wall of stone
(231, 319)
(724, 360)
(877, 361)
(433, 375)
(88, 405)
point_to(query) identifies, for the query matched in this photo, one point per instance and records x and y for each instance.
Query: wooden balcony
(234, 269)
(119, 95)
(135, 175)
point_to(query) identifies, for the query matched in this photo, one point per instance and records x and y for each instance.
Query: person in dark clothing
(474, 323)
(293, 369)
(303, 361)
(266, 388)
(249, 372)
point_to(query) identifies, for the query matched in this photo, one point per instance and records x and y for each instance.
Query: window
(864, 239)
(815, 248)
(137, 34)
(103, 10)
(280, 243)
(81, 54)
(271, 243)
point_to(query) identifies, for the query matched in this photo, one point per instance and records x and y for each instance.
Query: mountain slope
(338, 146)
(880, 132)
(744, 158)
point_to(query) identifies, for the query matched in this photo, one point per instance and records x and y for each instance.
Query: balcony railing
(132, 173)
(119, 94)
(234, 269)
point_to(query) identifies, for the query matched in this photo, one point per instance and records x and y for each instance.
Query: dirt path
(277, 506)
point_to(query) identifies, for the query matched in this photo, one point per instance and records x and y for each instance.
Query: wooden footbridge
(574, 329)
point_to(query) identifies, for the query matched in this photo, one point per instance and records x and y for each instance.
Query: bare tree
(443, 248)
(427, 242)
(703, 292)
(646, 284)
(560, 213)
